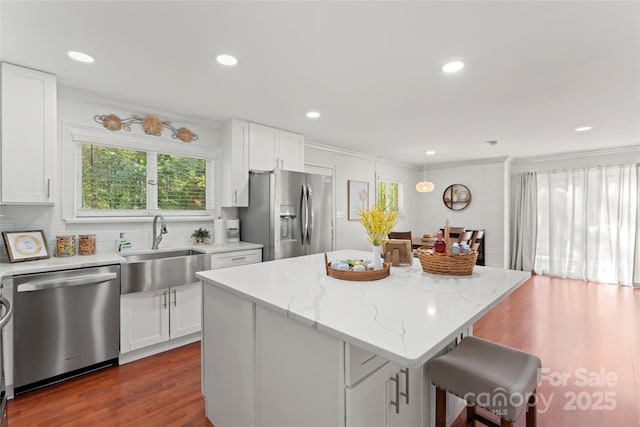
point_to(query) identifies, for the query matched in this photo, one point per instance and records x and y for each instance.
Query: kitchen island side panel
(228, 363)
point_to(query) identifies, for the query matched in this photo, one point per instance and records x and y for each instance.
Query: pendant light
(425, 186)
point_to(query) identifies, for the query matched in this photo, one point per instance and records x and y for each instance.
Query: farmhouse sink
(160, 270)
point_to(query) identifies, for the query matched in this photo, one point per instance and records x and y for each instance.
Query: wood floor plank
(569, 324)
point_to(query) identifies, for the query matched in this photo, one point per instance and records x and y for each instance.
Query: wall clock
(456, 197)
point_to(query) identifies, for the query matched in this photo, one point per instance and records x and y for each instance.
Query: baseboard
(141, 353)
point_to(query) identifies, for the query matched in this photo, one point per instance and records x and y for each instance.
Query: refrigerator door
(289, 213)
(320, 201)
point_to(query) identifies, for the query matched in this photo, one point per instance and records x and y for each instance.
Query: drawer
(230, 259)
(360, 363)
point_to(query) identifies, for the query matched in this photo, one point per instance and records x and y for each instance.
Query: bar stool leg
(441, 407)
(471, 414)
(531, 410)
(505, 423)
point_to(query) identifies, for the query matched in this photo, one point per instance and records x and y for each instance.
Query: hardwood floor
(161, 390)
(569, 324)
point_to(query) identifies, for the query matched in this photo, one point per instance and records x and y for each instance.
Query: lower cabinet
(392, 396)
(148, 318)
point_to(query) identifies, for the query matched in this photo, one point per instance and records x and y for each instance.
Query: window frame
(75, 137)
(401, 186)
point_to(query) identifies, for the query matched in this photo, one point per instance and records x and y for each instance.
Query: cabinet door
(185, 309)
(144, 319)
(235, 164)
(263, 144)
(367, 402)
(409, 397)
(291, 151)
(28, 135)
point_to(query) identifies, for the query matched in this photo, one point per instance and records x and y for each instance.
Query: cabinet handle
(235, 196)
(396, 379)
(164, 299)
(240, 258)
(48, 188)
(175, 304)
(405, 371)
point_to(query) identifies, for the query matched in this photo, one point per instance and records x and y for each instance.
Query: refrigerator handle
(309, 214)
(304, 210)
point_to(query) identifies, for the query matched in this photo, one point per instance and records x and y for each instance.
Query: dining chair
(465, 237)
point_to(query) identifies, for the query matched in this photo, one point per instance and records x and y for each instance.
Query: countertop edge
(107, 258)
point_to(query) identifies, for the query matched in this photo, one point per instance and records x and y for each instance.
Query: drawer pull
(396, 379)
(240, 258)
(406, 385)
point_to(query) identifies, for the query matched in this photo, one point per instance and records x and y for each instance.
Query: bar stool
(499, 379)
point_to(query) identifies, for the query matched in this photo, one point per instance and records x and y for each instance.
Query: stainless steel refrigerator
(290, 213)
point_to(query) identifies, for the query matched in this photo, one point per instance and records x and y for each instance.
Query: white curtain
(523, 251)
(587, 224)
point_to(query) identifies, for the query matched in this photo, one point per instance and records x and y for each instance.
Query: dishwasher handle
(41, 285)
(7, 316)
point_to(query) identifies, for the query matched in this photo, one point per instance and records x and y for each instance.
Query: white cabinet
(271, 148)
(28, 136)
(185, 310)
(235, 164)
(231, 259)
(391, 397)
(148, 318)
(144, 319)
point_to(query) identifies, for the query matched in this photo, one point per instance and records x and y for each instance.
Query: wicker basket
(454, 264)
(447, 263)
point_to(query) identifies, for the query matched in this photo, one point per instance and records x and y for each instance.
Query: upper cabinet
(271, 148)
(235, 164)
(28, 146)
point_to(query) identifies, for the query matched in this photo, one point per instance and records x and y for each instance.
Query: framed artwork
(358, 198)
(25, 245)
(456, 197)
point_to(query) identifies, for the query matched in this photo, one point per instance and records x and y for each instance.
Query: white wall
(360, 167)
(488, 208)
(79, 108)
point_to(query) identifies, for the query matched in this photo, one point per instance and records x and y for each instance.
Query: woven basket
(454, 264)
(367, 275)
(447, 263)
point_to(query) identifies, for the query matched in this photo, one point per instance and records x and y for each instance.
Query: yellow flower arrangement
(378, 222)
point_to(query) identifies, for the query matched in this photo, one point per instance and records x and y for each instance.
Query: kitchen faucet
(163, 230)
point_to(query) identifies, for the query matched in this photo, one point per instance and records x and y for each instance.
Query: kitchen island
(284, 344)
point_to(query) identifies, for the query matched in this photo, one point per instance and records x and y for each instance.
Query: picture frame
(25, 245)
(357, 198)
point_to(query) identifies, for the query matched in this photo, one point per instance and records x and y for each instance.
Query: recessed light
(583, 129)
(452, 67)
(313, 114)
(430, 153)
(226, 60)
(80, 56)
(492, 142)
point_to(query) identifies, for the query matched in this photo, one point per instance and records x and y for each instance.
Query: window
(390, 194)
(133, 176)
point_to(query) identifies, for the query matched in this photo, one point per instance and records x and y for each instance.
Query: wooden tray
(358, 275)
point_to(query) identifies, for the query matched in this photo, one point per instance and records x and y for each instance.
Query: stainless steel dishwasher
(66, 323)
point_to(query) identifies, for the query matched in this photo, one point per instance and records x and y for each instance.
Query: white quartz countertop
(405, 317)
(80, 261)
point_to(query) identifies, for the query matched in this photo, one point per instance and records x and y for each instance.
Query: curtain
(588, 224)
(523, 251)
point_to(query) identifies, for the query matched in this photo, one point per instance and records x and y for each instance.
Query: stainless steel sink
(160, 270)
(160, 255)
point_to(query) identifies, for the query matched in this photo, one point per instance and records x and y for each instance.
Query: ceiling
(534, 71)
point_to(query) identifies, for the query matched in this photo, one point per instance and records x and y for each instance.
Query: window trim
(401, 189)
(76, 136)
